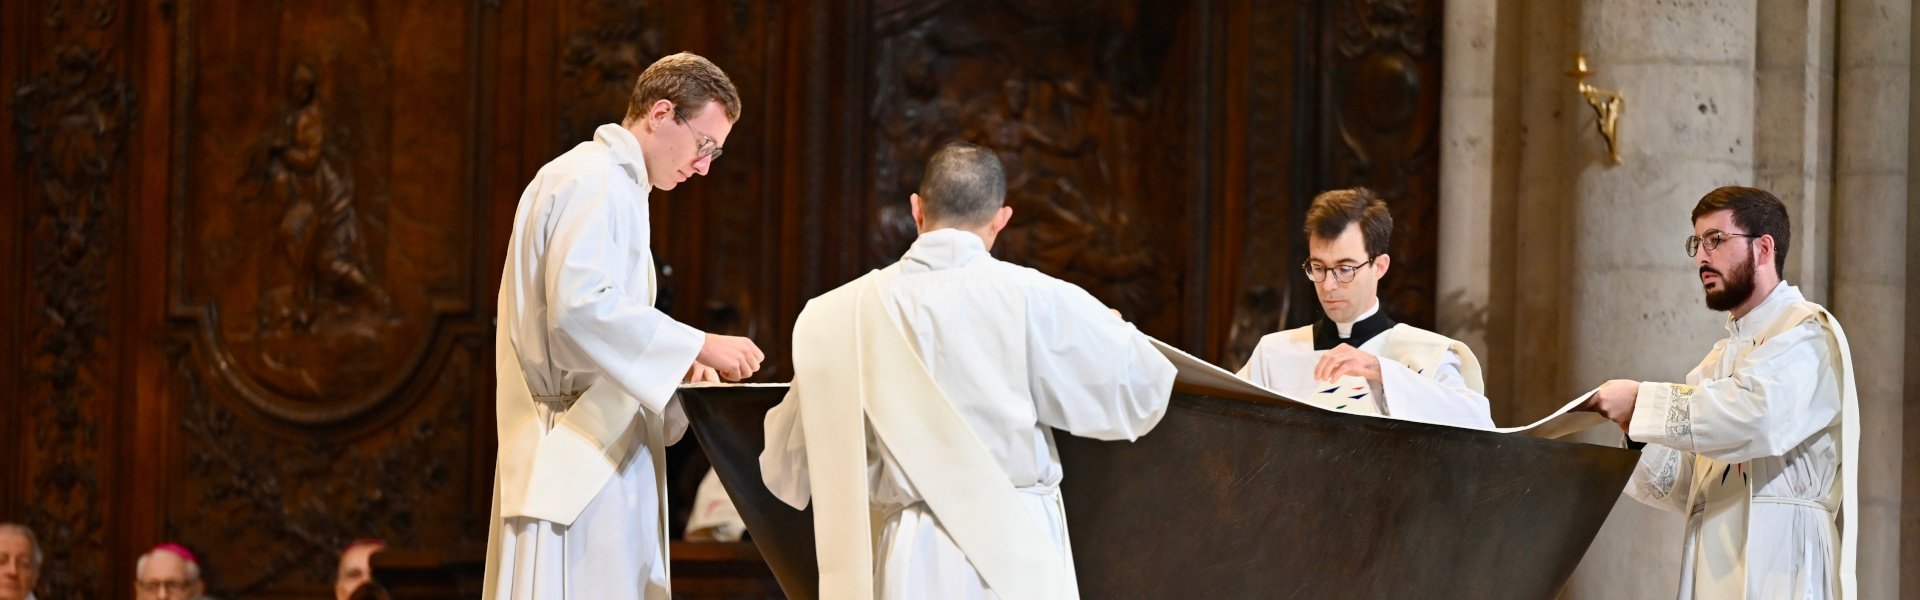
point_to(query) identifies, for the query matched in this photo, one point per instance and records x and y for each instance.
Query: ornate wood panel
(1264, 209)
(258, 243)
(1369, 70)
(1093, 110)
(71, 113)
(328, 309)
(1381, 98)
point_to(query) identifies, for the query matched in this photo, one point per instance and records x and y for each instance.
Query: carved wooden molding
(1071, 98)
(599, 63)
(71, 120)
(1274, 190)
(321, 281)
(326, 349)
(1384, 101)
(293, 501)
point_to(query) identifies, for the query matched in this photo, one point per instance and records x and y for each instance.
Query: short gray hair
(193, 568)
(963, 185)
(32, 540)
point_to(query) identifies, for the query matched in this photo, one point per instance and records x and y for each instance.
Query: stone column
(1537, 125)
(1793, 130)
(1910, 438)
(1466, 183)
(1869, 260)
(1687, 70)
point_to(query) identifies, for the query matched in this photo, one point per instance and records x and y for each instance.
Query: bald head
(964, 187)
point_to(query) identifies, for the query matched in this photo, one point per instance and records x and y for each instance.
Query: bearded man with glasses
(1759, 447)
(587, 366)
(1390, 369)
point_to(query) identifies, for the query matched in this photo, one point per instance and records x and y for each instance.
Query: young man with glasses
(1758, 448)
(587, 366)
(1408, 372)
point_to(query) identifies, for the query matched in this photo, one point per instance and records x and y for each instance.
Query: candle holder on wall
(1607, 105)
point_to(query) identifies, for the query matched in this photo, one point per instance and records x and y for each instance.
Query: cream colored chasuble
(858, 375)
(1759, 448)
(952, 354)
(1425, 376)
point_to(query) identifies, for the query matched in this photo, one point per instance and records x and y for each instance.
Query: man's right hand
(1615, 400)
(735, 357)
(700, 373)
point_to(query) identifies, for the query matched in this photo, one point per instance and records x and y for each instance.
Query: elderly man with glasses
(20, 561)
(168, 572)
(1759, 447)
(1355, 358)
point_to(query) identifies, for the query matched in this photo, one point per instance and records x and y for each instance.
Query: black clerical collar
(1326, 334)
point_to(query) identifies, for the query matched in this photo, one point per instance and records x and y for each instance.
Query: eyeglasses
(708, 147)
(154, 586)
(1343, 273)
(1713, 240)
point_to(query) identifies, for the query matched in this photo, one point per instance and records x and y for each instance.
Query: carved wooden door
(254, 246)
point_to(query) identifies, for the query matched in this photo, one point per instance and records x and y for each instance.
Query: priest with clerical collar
(1409, 373)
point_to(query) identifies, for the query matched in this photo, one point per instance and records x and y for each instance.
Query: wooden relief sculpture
(1075, 99)
(326, 343)
(323, 310)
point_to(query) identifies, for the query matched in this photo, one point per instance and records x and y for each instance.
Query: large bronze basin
(1249, 498)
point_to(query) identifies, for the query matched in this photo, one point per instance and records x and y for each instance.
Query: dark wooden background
(251, 248)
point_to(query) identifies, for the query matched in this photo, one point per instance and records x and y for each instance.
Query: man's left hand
(1614, 400)
(1345, 360)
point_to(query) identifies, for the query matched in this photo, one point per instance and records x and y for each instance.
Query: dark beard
(1736, 286)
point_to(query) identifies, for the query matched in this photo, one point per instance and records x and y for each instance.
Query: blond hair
(689, 82)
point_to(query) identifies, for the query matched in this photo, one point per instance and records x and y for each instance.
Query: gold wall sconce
(1607, 105)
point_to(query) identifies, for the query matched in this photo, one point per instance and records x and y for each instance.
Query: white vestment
(587, 370)
(714, 516)
(1017, 354)
(1758, 427)
(1424, 376)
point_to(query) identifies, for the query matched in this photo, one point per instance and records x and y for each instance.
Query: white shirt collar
(1778, 299)
(626, 149)
(1346, 329)
(944, 249)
